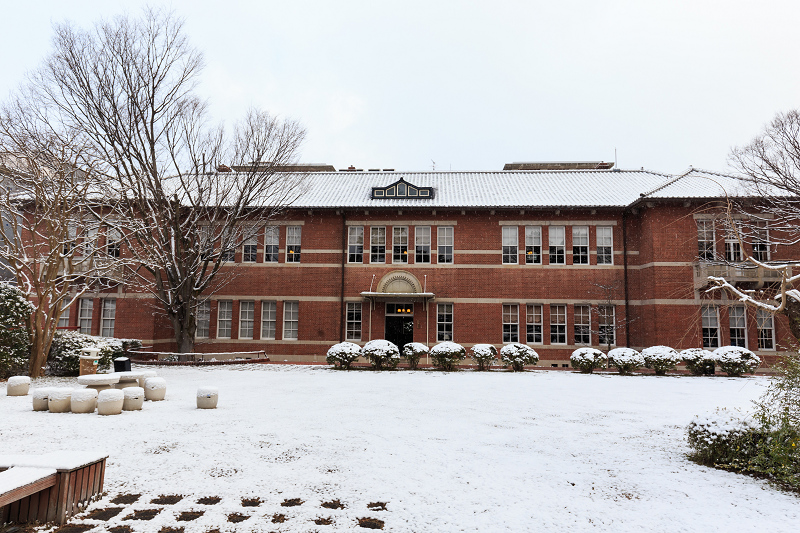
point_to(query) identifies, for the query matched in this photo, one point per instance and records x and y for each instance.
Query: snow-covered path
(468, 451)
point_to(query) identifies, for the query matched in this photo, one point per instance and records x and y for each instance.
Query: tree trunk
(792, 312)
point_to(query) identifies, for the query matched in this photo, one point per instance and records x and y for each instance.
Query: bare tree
(128, 87)
(608, 323)
(50, 229)
(770, 166)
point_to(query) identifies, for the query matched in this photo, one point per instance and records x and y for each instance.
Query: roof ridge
(665, 184)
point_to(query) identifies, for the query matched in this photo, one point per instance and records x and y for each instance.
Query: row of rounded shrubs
(733, 360)
(383, 354)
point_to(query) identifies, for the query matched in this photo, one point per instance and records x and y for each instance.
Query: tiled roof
(699, 184)
(579, 188)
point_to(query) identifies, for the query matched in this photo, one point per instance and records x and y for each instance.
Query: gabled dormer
(402, 189)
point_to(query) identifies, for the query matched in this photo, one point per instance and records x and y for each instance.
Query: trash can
(122, 364)
(88, 362)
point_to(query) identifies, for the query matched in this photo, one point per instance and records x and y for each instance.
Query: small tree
(699, 362)
(343, 355)
(446, 355)
(15, 338)
(484, 355)
(735, 360)
(587, 359)
(518, 355)
(625, 360)
(660, 359)
(382, 354)
(412, 352)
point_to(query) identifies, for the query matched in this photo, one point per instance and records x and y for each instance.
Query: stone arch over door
(399, 281)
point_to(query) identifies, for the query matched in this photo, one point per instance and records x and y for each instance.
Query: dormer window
(403, 189)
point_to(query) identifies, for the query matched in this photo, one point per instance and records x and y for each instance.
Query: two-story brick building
(536, 254)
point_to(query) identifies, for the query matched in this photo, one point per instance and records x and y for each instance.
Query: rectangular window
(444, 322)
(63, 321)
(705, 239)
(605, 245)
(557, 245)
(766, 330)
(377, 245)
(400, 244)
(271, 244)
(710, 323)
(733, 250)
(226, 243)
(761, 242)
(608, 325)
(224, 319)
(510, 323)
(533, 245)
(203, 320)
(558, 324)
(580, 245)
(534, 324)
(108, 316)
(268, 310)
(250, 250)
(293, 234)
(738, 326)
(583, 323)
(445, 244)
(353, 321)
(85, 309)
(113, 238)
(355, 244)
(422, 244)
(90, 234)
(247, 311)
(291, 312)
(510, 244)
(72, 235)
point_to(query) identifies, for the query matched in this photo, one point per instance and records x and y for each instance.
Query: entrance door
(399, 324)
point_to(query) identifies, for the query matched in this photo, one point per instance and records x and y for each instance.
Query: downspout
(341, 288)
(625, 276)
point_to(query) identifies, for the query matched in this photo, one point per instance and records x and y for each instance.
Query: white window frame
(269, 313)
(63, 320)
(445, 237)
(761, 239)
(399, 244)
(737, 320)
(444, 322)
(291, 321)
(422, 244)
(533, 245)
(580, 245)
(203, 320)
(353, 320)
(534, 317)
(294, 237)
(272, 244)
(765, 324)
(510, 323)
(247, 315)
(558, 311)
(706, 235)
(377, 245)
(709, 325)
(108, 315)
(250, 248)
(733, 249)
(85, 311)
(605, 245)
(510, 245)
(582, 324)
(224, 319)
(557, 245)
(113, 242)
(355, 244)
(609, 325)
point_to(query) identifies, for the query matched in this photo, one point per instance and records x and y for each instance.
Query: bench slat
(27, 489)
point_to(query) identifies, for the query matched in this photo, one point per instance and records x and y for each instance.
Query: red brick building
(555, 258)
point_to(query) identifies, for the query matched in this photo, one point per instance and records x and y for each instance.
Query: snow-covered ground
(466, 451)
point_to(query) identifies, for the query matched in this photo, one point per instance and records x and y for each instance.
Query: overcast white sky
(474, 85)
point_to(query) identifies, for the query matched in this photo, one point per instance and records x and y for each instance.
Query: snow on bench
(20, 481)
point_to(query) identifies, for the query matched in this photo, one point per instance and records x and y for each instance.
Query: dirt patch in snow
(323, 521)
(105, 514)
(73, 528)
(278, 518)
(235, 518)
(377, 506)
(333, 504)
(209, 500)
(251, 502)
(126, 499)
(167, 500)
(143, 514)
(188, 516)
(293, 502)
(370, 523)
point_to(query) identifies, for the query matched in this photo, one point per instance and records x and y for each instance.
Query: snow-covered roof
(699, 184)
(571, 188)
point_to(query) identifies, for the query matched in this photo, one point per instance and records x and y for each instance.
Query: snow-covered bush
(660, 359)
(446, 355)
(735, 361)
(587, 359)
(484, 355)
(698, 361)
(15, 339)
(342, 355)
(625, 360)
(722, 438)
(65, 352)
(382, 354)
(412, 352)
(518, 355)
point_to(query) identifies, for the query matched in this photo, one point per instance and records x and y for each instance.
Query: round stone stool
(18, 386)
(134, 398)
(40, 398)
(144, 374)
(155, 389)
(58, 401)
(207, 397)
(109, 402)
(83, 401)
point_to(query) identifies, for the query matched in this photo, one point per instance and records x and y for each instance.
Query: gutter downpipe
(341, 288)
(625, 276)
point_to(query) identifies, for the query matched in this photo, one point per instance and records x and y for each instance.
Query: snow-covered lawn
(466, 451)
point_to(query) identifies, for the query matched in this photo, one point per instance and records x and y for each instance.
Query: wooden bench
(50, 487)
